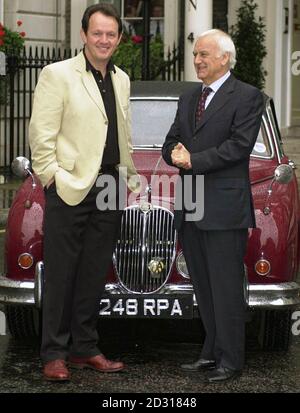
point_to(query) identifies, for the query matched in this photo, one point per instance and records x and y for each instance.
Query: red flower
(2, 32)
(137, 39)
(19, 22)
(23, 34)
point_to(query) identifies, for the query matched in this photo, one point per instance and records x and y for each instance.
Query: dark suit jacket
(220, 147)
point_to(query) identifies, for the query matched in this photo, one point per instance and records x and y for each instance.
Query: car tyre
(275, 332)
(23, 322)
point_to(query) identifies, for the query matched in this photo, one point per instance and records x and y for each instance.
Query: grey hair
(224, 42)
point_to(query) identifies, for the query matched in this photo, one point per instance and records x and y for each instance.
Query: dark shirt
(111, 154)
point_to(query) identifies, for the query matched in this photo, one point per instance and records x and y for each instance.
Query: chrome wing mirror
(21, 167)
(283, 174)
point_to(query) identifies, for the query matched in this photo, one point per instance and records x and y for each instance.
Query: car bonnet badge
(145, 207)
(156, 267)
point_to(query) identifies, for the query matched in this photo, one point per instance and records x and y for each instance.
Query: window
(133, 17)
(262, 145)
(131, 12)
(116, 3)
(220, 11)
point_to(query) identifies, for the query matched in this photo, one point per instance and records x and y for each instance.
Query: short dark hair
(104, 8)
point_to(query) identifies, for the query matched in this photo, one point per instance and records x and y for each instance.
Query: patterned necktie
(201, 104)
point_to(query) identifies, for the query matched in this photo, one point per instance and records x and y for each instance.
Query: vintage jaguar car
(148, 276)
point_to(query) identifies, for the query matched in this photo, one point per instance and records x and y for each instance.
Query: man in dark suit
(213, 134)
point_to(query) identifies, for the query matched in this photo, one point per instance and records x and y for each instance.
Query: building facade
(282, 19)
(56, 23)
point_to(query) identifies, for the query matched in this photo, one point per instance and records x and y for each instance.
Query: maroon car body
(148, 276)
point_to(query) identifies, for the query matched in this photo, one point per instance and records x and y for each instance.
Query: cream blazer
(68, 128)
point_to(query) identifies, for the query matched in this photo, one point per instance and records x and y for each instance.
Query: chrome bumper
(269, 296)
(16, 292)
(23, 292)
(259, 295)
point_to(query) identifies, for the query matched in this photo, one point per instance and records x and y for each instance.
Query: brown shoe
(56, 370)
(99, 363)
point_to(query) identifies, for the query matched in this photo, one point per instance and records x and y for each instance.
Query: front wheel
(23, 322)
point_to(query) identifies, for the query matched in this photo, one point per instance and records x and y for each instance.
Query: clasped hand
(181, 157)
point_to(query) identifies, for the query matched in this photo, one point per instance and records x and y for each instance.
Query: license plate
(147, 306)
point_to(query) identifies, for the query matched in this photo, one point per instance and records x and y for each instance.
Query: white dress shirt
(215, 86)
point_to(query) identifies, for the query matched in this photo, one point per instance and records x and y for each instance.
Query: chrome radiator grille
(145, 237)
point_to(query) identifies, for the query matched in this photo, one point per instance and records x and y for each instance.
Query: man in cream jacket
(80, 129)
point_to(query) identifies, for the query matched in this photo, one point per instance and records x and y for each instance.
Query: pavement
(152, 351)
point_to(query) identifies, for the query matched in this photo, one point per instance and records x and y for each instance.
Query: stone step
(292, 148)
(293, 131)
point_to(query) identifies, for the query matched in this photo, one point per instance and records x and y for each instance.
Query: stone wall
(43, 21)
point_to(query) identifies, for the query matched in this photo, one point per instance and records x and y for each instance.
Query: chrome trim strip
(39, 284)
(147, 148)
(277, 148)
(160, 98)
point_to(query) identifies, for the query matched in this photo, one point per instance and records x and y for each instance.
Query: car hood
(150, 162)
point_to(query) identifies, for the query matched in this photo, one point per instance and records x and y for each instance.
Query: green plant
(128, 56)
(11, 44)
(248, 35)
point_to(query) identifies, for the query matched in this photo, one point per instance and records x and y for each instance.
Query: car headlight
(181, 265)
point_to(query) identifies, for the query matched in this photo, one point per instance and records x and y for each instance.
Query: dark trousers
(215, 264)
(78, 246)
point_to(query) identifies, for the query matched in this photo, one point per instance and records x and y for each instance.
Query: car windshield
(151, 121)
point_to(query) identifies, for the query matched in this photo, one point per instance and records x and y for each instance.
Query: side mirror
(21, 167)
(283, 174)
